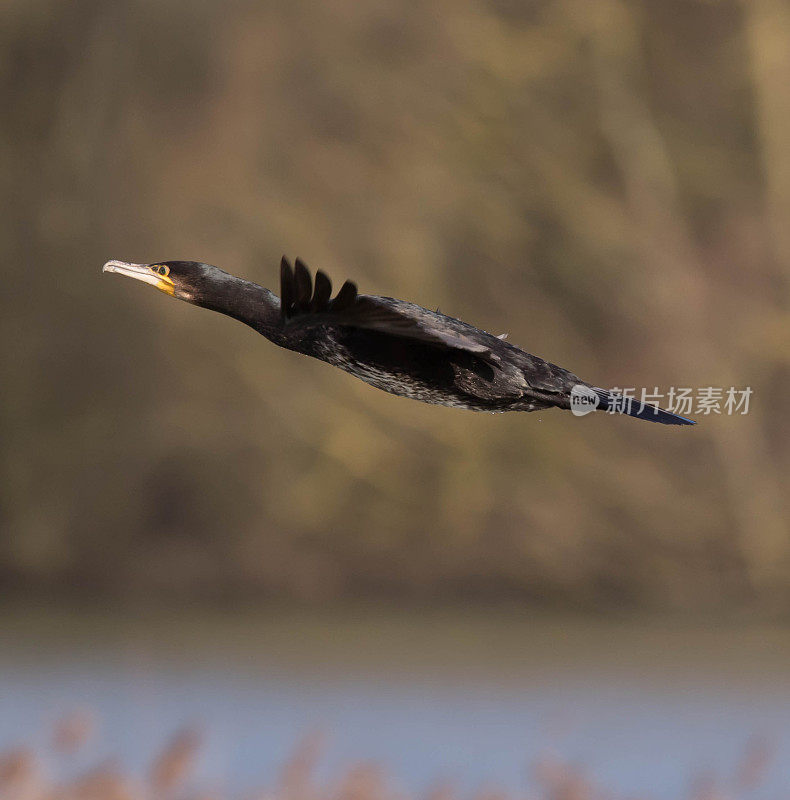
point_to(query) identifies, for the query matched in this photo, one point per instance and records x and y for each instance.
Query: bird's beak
(141, 272)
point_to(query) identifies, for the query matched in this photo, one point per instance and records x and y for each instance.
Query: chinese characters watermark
(682, 400)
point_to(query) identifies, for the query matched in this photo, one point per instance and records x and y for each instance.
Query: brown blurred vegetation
(28, 774)
(607, 181)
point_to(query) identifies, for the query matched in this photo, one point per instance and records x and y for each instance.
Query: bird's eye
(163, 270)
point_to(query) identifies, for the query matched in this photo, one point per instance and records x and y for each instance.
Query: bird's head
(185, 280)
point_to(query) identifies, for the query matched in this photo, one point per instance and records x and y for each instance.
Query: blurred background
(196, 526)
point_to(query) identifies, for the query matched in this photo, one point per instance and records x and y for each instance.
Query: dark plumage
(397, 346)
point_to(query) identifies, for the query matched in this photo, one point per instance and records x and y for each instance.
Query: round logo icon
(583, 400)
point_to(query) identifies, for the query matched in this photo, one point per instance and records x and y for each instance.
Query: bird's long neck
(245, 301)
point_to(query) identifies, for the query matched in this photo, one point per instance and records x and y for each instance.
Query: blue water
(633, 730)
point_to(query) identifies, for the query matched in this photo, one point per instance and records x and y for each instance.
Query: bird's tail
(632, 407)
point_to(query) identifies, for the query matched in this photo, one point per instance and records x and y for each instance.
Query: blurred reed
(26, 774)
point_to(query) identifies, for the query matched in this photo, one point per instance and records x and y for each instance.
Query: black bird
(399, 347)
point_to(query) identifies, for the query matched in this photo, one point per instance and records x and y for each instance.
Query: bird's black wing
(305, 305)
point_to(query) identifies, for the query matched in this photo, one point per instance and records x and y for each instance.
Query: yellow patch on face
(164, 282)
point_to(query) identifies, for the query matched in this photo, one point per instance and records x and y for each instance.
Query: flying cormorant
(399, 347)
